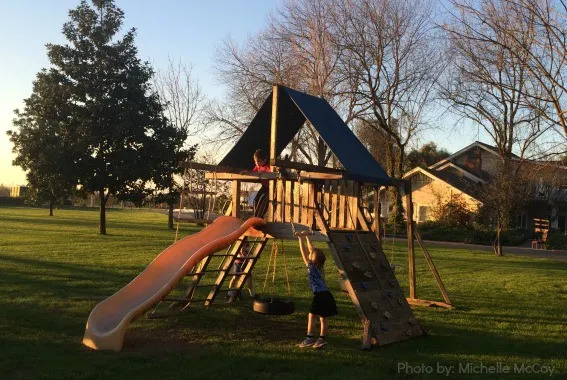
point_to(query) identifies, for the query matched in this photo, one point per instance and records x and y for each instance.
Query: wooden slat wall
(288, 201)
(280, 215)
(342, 204)
(296, 202)
(326, 198)
(334, 204)
(310, 204)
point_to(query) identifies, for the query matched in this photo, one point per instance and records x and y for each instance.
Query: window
(423, 214)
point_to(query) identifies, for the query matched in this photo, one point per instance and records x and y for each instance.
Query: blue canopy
(294, 108)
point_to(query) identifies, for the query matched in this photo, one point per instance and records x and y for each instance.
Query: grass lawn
(511, 312)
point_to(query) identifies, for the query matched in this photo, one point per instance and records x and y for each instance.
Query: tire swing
(271, 305)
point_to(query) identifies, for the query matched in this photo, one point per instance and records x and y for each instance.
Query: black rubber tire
(274, 306)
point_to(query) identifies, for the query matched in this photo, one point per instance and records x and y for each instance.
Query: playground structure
(325, 201)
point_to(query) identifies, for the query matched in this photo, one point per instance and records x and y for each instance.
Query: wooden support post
(409, 224)
(274, 126)
(432, 266)
(377, 211)
(236, 198)
(273, 152)
(288, 201)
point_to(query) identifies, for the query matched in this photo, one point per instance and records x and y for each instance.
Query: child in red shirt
(261, 199)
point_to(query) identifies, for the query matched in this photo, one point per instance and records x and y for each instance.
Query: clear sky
(189, 30)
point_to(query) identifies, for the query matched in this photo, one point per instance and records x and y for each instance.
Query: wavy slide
(109, 319)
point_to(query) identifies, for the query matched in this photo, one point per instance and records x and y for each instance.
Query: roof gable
(463, 184)
(294, 108)
(477, 144)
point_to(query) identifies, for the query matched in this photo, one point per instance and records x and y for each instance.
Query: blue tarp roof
(294, 108)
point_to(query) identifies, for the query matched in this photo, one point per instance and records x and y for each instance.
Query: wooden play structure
(325, 201)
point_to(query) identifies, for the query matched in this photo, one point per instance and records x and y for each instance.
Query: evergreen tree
(116, 124)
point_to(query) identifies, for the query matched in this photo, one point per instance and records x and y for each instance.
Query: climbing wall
(372, 285)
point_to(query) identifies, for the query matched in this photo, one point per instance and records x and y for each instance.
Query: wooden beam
(323, 176)
(362, 220)
(307, 167)
(249, 177)
(274, 124)
(377, 212)
(411, 251)
(418, 302)
(432, 266)
(211, 168)
(278, 230)
(235, 198)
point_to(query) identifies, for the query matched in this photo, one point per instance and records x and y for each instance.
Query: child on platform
(261, 199)
(323, 305)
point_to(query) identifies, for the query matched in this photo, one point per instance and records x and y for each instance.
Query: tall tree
(296, 49)
(534, 35)
(117, 125)
(426, 156)
(184, 103)
(390, 51)
(490, 86)
(44, 148)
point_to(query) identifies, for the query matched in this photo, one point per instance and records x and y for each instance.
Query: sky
(185, 30)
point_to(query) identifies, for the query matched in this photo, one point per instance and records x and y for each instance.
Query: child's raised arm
(302, 249)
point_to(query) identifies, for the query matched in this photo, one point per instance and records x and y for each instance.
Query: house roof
(488, 148)
(462, 184)
(294, 108)
(465, 172)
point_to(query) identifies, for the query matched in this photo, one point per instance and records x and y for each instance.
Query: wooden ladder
(224, 269)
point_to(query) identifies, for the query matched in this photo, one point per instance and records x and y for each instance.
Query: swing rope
(272, 264)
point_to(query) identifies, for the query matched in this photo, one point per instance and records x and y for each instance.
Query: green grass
(53, 271)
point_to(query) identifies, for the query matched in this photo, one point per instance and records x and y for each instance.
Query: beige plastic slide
(109, 319)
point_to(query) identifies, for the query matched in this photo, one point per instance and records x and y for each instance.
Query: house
(18, 191)
(466, 171)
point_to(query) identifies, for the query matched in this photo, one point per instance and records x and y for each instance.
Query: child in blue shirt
(323, 305)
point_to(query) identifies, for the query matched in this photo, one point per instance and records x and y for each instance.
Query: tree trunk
(321, 152)
(498, 248)
(170, 216)
(50, 208)
(102, 225)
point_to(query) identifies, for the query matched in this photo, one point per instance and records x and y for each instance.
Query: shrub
(11, 201)
(470, 234)
(556, 240)
(455, 212)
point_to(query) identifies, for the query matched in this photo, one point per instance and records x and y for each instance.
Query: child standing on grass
(323, 305)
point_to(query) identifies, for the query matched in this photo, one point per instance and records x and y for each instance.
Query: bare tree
(182, 96)
(298, 50)
(533, 33)
(184, 103)
(390, 52)
(490, 85)
(391, 55)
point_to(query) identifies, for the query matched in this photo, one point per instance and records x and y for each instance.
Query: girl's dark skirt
(323, 304)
